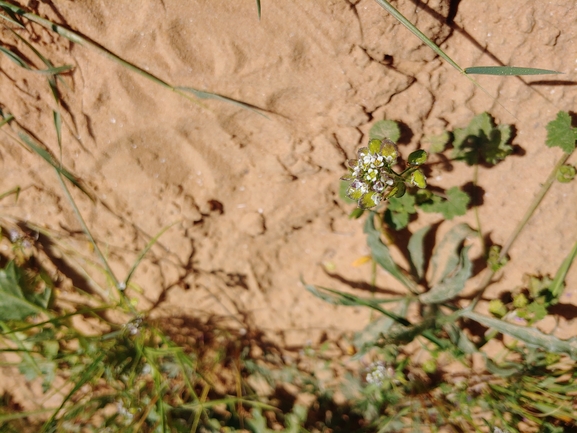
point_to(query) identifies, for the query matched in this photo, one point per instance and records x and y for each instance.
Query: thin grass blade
(556, 287)
(411, 27)
(15, 58)
(258, 9)
(144, 251)
(6, 119)
(44, 154)
(12, 17)
(15, 190)
(81, 40)
(87, 375)
(209, 95)
(508, 70)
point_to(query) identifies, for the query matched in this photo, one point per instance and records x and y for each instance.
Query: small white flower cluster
(379, 373)
(369, 174)
(123, 411)
(133, 327)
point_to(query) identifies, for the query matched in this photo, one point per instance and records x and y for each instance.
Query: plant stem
(489, 273)
(476, 211)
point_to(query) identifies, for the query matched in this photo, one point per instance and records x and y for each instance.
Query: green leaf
(385, 129)
(47, 156)
(537, 311)
(356, 213)
(446, 255)
(418, 157)
(450, 286)
(438, 143)
(417, 252)
(382, 256)
(454, 205)
(343, 188)
(508, 70)
(398, 210)
(556, 287)
(560, 133)
(529, 335)
(336, 297)
(17, 301)
(482, 141)
(258, 9)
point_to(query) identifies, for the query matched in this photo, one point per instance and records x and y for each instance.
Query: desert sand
(253, 195)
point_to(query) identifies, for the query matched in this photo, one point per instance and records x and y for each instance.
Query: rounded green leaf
(418, 157)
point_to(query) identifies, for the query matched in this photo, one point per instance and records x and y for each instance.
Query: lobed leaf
(455, 204)
(560, 133)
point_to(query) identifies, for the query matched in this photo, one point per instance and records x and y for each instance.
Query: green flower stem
(489, 273)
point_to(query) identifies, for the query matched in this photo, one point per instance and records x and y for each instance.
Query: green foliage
(454, 204)
(21, 297)
(384, 129)
(438, 143)
(399, 210)
(508, 70)
(560, 133)
(481, 141)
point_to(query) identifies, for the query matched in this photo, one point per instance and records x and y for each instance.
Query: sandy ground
(255, 199)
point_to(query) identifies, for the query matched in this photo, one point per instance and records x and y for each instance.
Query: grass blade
(81, 40)
(88, 374)
(15, 58)
(15, 190)
(556, 287)
(411, 27)
(12, 17)
(209, 95)
(144, 251)
(44, 154)
(508, 70)
(258, 9)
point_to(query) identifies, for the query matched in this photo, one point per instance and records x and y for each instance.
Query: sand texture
(253, 196)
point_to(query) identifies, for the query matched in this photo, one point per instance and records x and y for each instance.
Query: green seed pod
(418, 157)
(418, 179)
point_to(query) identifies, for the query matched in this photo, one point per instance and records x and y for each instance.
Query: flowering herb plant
(372, 177)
